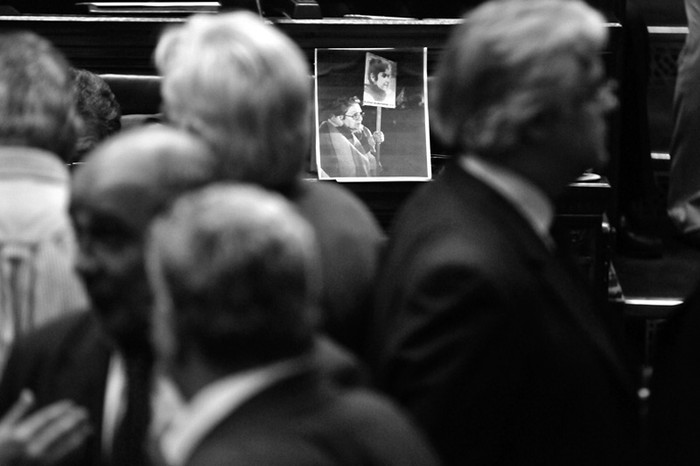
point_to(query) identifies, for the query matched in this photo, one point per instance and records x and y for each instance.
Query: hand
(43, 437)
(378, 137)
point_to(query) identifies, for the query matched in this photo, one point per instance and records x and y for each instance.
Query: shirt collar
(194, 420)
(115, 393)
(527, 198)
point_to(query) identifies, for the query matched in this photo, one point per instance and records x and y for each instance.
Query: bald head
(119, 189)
(143, 170)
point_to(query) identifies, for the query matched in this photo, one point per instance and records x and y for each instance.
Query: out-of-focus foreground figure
(102, 359)
(38, 132)
(235, 274)
(245, 88)
(484, 331)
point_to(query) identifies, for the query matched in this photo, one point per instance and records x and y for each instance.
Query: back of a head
(98, 108)
(155, 161)
(243, 86)
(511, 63)
(238, 264)
(37, 107)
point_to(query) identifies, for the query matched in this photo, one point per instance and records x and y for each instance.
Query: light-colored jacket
(37, 244)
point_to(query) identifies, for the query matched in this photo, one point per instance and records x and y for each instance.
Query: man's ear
(539, 129)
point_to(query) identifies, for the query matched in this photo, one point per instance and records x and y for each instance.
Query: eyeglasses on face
(356, 116)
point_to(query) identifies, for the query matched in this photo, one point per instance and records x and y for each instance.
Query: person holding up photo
(348, 148)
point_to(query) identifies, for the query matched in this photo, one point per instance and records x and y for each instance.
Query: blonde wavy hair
(244, 87)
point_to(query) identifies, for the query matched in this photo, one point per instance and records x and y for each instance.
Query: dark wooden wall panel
(124, 45)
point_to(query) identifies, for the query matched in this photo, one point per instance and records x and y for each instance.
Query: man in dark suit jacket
(482, 331)
(115, 194)
(234, 271)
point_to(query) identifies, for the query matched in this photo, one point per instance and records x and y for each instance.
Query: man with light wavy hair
(483, 331)
(244, 87)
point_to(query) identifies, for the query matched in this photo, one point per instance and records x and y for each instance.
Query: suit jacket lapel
(579, 305)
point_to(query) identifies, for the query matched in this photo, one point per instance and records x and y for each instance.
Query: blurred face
(353, 117)
(383, 79)
(588, 143)
(110, 223)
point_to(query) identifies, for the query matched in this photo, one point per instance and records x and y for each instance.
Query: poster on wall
(371, 115)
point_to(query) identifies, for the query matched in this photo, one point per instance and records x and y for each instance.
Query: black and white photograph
(380, 82)
(372, 115)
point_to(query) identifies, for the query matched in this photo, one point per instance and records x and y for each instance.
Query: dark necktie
(129, 446)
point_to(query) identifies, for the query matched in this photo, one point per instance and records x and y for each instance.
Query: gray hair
(240, 267)
(511, 63)
(244, 87)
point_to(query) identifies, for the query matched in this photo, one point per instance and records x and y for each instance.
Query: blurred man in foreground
(244, 87)
(483, 331)
(101, 359)
(235, 274)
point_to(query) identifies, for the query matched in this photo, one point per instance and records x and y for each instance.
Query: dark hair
(376, 66)
(341, 105)
(97, 107)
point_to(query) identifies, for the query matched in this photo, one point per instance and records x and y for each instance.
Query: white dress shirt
(115, 401)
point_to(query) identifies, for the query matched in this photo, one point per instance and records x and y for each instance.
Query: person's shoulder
(363, 404)
(67, 324)
(456, 197)
(460, 223)
(66, 329)
(338, 363)
(331, 192)
(41, 354)
(330, 203)
(383, 431)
